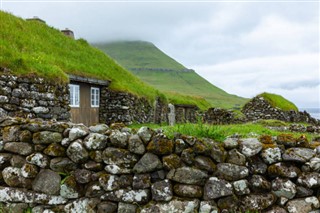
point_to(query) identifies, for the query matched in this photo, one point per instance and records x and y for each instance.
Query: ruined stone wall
(222, 116)
(63, 167)
(31, 97)
(259, 108)
(186, 113)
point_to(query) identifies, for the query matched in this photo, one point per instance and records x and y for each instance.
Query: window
(95, 96)
(74, 95)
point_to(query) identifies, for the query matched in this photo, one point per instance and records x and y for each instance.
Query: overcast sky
(243, 47)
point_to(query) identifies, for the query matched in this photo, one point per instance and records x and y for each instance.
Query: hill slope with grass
(277, 101)
(32, 47)
(153, 66)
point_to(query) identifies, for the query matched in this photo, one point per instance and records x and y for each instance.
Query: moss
(266, 139)
(277, 101)
(171, 162)
(161, 146)
(55, 150)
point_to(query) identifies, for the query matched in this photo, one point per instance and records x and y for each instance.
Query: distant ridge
(153, 66)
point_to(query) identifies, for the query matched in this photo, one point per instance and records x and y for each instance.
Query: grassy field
(221, 132)
(145, 55)
(279, 102)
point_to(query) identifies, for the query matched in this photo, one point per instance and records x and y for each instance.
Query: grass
(150, 59)
(176, 98)
(31, 47)
(221, 132)
(279, 102)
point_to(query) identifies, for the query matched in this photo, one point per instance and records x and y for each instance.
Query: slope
(153, 66)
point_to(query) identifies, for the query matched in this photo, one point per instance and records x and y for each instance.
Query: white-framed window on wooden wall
(74, 95)
(95, 97)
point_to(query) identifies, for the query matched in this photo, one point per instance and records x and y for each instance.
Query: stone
(208, 207)
(145, 133)
(172, 161)
(93, 166)
(141, 196)
(99, 128)
(187, 156)
(216, 188)
(77, 153)
(55, 150)
(82, 205)
(271, 155)
(303, 192)
(82, 176)
(158, 175)
(235, 157)
(3, 99)
(94, 189)
(148, 163)
(187, 175)
(180, 145)
(5, 159)
(29, 171)
(136, 145)
(309, 180)
(107, 207)
(116, 170)
(160, 145)
(25, 136)
(15, 207)
(231, 143)
(17, 161)
(40, 110)
(38, 159)
(275, 209)
(229, 203)
(12, 177)
(203, 146)
(11, 134)
(254, 202)
(218, 153)
(109, 182)
(47, 137)
(205, 163)
(95, 141)
(118, 156)
(175, 205)
(119, 139)
(141, 181)
(303, 205)
(20, 148)
(189, 191)
(96, 156)
(126, 208)
(241, 187)
(61, 164)
(259, 183)
(162, 191)
(250, 146)
(69, 188)
(314, 164)
(285, 170)
(77, 132)
(283, 188)
(256, 165)
(231, 172)
(47, 181)
(300, 155)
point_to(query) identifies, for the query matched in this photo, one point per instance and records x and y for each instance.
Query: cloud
(287, 75)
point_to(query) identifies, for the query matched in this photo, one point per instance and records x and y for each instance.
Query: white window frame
(95, 96)
(74, 92)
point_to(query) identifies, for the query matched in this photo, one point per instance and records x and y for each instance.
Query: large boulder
(48, 182)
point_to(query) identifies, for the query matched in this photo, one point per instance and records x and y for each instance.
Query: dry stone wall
(51, 166)
(32, 97)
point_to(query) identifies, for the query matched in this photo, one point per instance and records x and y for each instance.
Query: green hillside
(159, 70)
(279, 102)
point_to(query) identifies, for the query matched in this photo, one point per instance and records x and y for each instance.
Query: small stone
(148, 163)
(256, 165)
(118, 156)
(218, 153)
(232, 172)
(126, 208)
(229, 203)
(187, 175)
(12, 177)
(208, 207)
(187, 156)
(77, 153)
(119, 139)
(271, 155)
(5, 159)
(162, 191)
(20, 148)
(283, 188)
(231, 143)
(303, 205)
(216, 188)
(190, 191)
(205, 163)
(236, 157)
(145, 133)
(300, 155)
(259, 183)
(303, 192)
(276, 209)
(285, 170)
(95, 141)
(69, 188)
(180, 145)
(29, 171)
(107, 207)
(160, 146)
(40, 110)
(94, 189)
(38, 159)
(55, 150)
(78, 131)
(109, 182)
(309, 180)
(47, 181)
(172, 161)
(141, 181)
(241, 187)
(62, 165)
(82, 176)
(136, 145)
(82, 205)
(314, 164)
(99, 128)
(141, 196)
(47, 137)
(93, 166)
(254, 202)
(17, 161)
(250, 146)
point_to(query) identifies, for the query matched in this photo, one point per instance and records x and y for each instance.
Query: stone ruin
(49, 166)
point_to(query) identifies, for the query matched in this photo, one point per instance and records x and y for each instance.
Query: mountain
(153, 66)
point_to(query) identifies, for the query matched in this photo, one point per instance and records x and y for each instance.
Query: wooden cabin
(85, 99)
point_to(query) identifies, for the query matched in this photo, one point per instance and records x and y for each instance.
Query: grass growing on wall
(279, 102)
